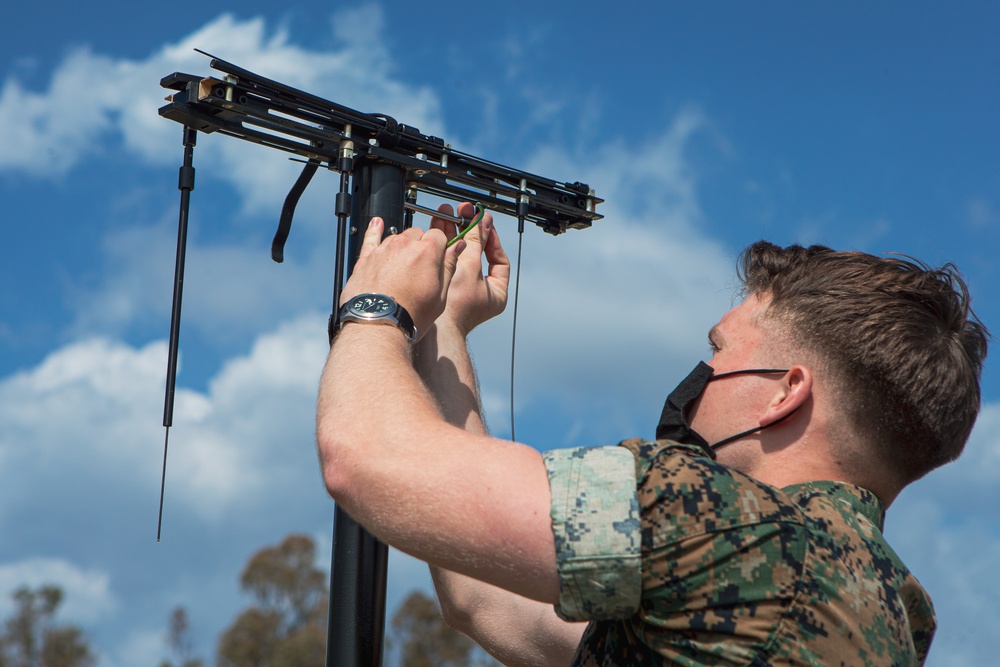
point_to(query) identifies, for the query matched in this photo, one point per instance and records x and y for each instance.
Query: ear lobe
(795, 388)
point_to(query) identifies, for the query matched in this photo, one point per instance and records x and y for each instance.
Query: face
(734, 404)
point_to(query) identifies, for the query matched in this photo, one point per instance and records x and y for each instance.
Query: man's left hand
(475, 296)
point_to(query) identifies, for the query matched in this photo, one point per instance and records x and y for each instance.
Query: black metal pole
(358, 571)
(185, 183)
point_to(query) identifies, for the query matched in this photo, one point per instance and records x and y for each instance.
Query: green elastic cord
(480, 212)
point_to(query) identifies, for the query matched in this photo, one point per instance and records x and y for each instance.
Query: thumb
(451, 255)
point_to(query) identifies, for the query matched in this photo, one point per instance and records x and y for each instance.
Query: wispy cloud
(95, 406)
(944, 527)
(94, 101)
(86, 594)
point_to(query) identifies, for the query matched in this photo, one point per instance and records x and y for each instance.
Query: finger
(451, 255)
(481, 234)
(411, 233)
(496, 257)
(492, 248)
(437, 237)
(446, 226)
(475, 235)
(373, 237)
(466, 209)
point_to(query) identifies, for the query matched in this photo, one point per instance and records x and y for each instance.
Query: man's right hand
(473, 296)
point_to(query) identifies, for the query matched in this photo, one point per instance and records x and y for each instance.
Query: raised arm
(513, 629)
(455, 499)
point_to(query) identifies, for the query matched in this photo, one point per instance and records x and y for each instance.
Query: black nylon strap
(288, 210)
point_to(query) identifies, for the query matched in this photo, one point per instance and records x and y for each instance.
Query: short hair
(899, 338)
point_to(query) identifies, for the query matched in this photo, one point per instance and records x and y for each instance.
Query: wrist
(449, 328)
(374, 340)
(375, 308)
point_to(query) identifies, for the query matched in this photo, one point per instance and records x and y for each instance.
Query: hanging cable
(522, 211)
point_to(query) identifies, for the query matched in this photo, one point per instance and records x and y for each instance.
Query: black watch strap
(406, 323)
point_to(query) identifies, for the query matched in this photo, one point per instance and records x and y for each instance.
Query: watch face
(372, 304)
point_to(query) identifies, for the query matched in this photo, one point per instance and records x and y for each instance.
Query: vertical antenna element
(185, 183)
(522, 212)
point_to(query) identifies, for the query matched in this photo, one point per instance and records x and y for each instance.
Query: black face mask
(673, 420)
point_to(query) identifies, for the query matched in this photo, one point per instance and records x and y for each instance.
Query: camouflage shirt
(677, 559)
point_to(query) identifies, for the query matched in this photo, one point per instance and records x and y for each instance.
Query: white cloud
(89, 413)
(94, 100)
(139, 648)
(250, 435)
(231, 290)
(611, 317)
(86, 593)
(944, 527)
(48, 132)
(89, 398)
(967, 489)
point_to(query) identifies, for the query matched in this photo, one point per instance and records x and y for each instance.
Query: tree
(179, 642)
(31, 637)
(286, 626)
(427, 641)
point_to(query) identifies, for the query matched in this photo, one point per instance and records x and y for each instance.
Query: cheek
(699, 411)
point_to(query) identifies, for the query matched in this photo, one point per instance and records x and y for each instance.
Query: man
(748, 534)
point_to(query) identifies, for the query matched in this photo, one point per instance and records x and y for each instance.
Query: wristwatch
(379, 309)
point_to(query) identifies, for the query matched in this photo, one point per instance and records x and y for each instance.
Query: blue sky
(704, 127)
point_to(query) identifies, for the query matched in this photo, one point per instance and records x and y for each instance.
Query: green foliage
(31, 637)
(286, 625)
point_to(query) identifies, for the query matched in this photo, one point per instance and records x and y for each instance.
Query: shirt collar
(861, 500)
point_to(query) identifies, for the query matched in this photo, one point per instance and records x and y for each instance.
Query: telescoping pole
(358, 571)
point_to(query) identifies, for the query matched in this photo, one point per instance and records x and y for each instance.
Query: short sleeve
(597, 529)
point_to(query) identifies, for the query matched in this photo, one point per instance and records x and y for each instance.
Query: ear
(794, 389)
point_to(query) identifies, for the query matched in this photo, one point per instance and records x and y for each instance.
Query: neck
(805, 460)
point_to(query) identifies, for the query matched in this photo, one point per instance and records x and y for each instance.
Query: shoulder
(854, 568)
(723, 557)
(682, 493)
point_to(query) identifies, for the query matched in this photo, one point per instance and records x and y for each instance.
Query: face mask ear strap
(747, 371)
(756, 429)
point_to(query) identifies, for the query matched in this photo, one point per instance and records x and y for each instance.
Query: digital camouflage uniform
(677, 559)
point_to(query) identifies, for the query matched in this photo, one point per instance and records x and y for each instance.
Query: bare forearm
(513, 629)
(435, 491)
(443, 362)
